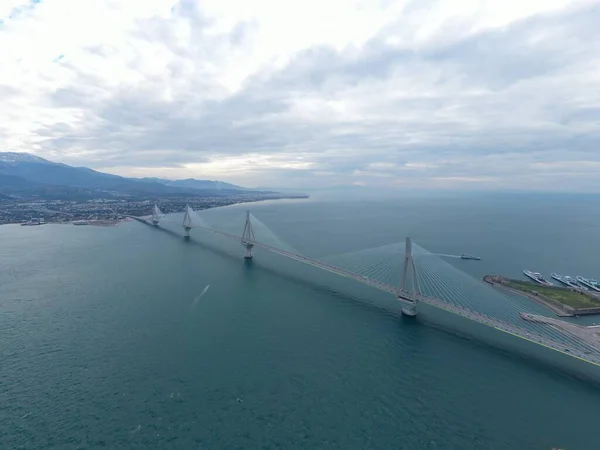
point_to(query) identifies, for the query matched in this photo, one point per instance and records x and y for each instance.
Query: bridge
(436, 283)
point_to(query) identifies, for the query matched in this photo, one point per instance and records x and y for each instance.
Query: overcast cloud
(459, 94)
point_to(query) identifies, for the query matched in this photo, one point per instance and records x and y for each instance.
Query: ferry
(566, 280)
(537, 277)
(569, 281)
(592, 284)
(574, 282)
(33, 223)
(465, 256)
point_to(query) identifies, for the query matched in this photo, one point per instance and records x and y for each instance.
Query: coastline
(555, 309)
(128, 217)
(262, 200)
(563, 310)
(98, 223)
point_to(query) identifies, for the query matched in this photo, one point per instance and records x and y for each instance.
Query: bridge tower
(248, 238)
(187, 222)
(156, 213)
(410, 287)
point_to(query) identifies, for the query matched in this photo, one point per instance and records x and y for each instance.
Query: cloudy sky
(452, 94)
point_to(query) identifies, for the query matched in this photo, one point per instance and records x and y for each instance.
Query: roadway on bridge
(447, 296)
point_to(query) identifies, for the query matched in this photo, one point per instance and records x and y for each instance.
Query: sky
(390, 95)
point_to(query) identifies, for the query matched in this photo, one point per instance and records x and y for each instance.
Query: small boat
(567, 280)
(574, 283)
(592, 284)
(537, 277)
(466, 256)
(33, 223)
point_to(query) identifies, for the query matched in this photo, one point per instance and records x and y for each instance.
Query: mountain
(42, 171)
(12, 186)
(197, 184)
(27, 176)
(15, 182)
(13, 157)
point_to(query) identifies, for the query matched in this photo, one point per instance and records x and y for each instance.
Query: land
(563, 301)
(34, 190)
(105, 211)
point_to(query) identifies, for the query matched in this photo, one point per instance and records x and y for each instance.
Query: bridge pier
(156, 213)
(248, 238)
(410, 310)
(409, 290)
(187, 222)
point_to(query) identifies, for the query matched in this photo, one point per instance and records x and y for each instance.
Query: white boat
(567, 280)
(561, 279)
(592, 284)
(537, 277)
(575, 284)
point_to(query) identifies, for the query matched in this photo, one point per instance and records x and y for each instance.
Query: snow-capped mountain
(19, 157)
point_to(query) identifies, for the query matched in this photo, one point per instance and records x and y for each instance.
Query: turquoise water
(105, 341)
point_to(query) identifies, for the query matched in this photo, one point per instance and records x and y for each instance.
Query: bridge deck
(585, 351)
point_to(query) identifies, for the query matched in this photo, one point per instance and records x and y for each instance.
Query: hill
(23, 175)
(192, 183)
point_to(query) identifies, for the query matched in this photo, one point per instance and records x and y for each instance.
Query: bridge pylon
(156, 213)
(248, 238)
(187, 222)
(409, 289)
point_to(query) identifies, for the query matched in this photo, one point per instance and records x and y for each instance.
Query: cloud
(388, 94)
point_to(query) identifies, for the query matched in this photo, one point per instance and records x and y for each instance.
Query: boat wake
(200, 296)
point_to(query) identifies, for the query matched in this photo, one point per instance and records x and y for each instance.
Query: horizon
(400, 95)
(366, 192)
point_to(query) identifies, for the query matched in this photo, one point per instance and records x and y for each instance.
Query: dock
(541, 294)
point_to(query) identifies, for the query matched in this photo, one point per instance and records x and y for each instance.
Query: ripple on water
(100, 348)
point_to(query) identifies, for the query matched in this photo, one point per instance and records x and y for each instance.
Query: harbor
(579, 283)
(564, 301)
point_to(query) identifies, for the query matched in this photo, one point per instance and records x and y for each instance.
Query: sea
(130, 337)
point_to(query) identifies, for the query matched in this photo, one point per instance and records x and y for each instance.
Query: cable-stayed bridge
(414, 275)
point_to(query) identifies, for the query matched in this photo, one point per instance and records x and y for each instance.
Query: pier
(563, 301)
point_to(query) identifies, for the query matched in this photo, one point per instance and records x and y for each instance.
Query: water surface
(104, 345)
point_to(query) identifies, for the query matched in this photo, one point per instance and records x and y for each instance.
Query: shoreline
(552, 307)
(564, 310)
(128, 217)
(224, 206)
(98, 223)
